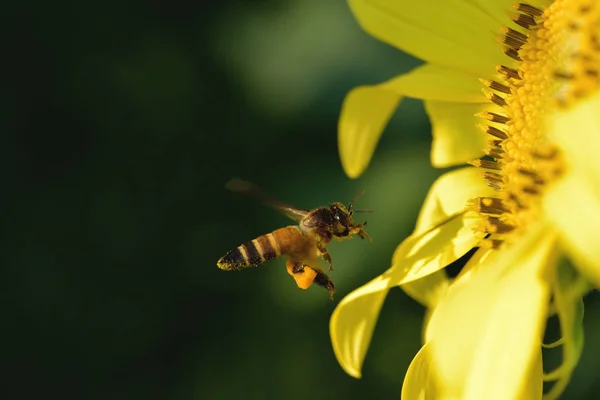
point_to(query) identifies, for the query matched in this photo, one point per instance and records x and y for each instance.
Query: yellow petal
(497, 9)
(457, 137)
(367, 110)
(500, 9)
(573, 203)
(541, 4)
(434, 82)
(420, 381)
(425, 253)
(449, 195)
(485, 335)
(534, 384)
(434, 245)
(352, 323)
(365, 113)
(444, 231)
(464, 41)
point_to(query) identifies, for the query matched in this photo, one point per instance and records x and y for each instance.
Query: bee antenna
(354, 199)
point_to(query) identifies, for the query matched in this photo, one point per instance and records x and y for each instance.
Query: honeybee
(302, 244)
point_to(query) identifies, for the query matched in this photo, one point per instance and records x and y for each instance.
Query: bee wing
(250, 189)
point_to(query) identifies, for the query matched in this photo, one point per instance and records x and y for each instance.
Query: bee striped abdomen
(250, 254)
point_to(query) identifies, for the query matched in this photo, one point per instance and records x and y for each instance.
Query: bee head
(342, 219)
(343, 224)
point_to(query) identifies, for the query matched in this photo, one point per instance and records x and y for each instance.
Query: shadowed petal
(429, 289)
(573, 203)
(434, 82)
(457, 138)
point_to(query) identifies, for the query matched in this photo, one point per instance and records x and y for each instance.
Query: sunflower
(512, 93)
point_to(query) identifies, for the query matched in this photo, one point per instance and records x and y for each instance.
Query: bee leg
(305, 276)
(323, 280)
(326, 256)
(295, 267)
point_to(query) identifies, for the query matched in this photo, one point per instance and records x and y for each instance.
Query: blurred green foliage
(121, 122)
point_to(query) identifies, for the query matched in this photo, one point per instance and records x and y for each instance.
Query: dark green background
(121, 122)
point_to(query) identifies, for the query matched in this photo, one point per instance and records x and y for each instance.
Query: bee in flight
(302, 244)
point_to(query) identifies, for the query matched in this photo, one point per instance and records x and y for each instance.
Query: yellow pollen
(554, 62)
